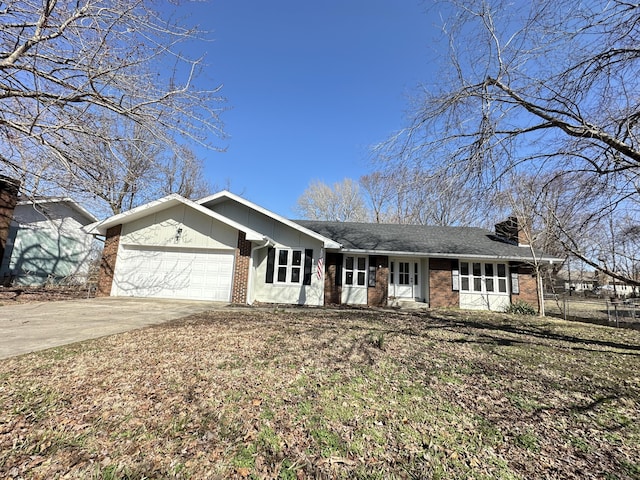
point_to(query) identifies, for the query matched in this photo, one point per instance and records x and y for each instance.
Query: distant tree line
(534, 112)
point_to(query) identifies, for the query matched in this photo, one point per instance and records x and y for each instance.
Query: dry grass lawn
(304, 393)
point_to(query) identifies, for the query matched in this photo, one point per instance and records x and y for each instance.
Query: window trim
(299, 263)
(473, 273)
(355, 271)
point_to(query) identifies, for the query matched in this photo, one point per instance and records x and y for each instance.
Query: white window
(355, 271)
(483, 277)
(289, 266)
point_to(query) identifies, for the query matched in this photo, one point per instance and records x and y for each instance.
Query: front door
(404, 278)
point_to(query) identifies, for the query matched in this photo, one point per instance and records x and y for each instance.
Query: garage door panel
(184, 274)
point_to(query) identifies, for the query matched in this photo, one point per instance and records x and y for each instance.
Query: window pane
(361, 263)
(348, 278)
(489, 284)
(477, 284)
(502, 285)
(477, 271)
(465, 284)
(283, 257)
(282, 274)
(297, 257)
(295, 275)
(361, 278)
(372, 275)
(348, 263)
(502, 270)
(488, 269)
(464, 268)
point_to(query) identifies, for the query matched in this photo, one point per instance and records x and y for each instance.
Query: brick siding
(440, 284)
(332, 292)
(108, 261)
(517, 230)
(241, 270)
(377, 296)
(8, 199)
(528, 285)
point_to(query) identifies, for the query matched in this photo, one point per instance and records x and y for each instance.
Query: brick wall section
(332, 292)
(241, 270)
(8, 199)
(528, 285)
(524, 232)
(515, 229)
(440, 283)
(108, 261)
(377, 296)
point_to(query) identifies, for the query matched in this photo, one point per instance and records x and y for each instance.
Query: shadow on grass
(540, 332)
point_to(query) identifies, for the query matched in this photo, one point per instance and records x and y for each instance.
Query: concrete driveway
(40, 325)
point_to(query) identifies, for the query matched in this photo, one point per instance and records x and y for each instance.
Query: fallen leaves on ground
(17, 295)
(312, 393)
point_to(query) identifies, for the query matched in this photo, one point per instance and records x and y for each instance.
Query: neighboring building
(576, 281)
(592, 283)
(225, 248)
(45, 242)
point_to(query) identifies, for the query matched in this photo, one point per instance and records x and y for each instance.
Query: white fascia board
(91, 228)
(251, 235)
(74, 205)
(162, 204)
(135, 213)
(508, 258)
(327, 242)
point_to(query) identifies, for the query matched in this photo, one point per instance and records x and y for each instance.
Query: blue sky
(310, 87)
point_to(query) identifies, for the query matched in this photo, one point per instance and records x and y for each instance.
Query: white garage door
(187, 274)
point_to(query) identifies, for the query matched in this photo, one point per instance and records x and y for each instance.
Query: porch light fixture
(178, 234)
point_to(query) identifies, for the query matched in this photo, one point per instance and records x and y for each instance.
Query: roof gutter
(550, 260)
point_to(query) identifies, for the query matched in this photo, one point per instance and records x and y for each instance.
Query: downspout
(267, 243)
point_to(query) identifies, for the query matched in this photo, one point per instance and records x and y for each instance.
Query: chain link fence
(603, 311)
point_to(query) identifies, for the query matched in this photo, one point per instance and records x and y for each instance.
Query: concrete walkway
(40, 325)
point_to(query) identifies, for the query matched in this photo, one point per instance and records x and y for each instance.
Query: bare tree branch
(64, 63)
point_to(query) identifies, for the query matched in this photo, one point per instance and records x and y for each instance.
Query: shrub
(521, 308)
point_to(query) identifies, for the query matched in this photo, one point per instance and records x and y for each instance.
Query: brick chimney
(513, 231)
(8, 199)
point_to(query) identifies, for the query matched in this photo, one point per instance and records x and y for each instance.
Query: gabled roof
(163, 204)
(48, 200)
(226, 195)
(432, 241)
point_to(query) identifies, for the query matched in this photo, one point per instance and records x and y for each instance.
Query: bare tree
(379, 190)
(545, 86)
(400, 194)
(537, 201)
(66, 64)
(342, 202)
(119, 165)
(183, 173)
(628, 251)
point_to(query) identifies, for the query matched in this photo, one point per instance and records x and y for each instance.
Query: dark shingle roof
(420, 239)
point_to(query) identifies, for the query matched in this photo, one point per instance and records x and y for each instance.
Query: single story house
(45, 242)
(225, 248)
(590, 282)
